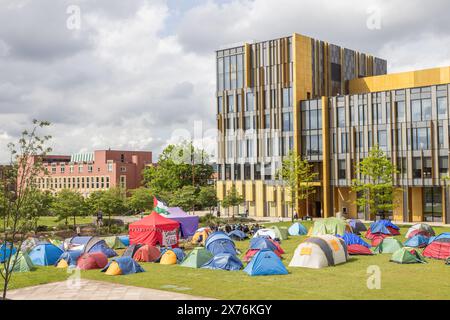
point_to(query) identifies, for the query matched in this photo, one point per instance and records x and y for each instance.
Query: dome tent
(45, 254)
(297, 229)
(168, 257)
(94, 260)
(224, 261)
(420, 228)
(438, 247)
(357, 226)
(154, 230)
(114, 242)
(331, 226)
(418, 241)
(356, 245)
(265, 262)
(377, 227)
(197, 258)
(88, 244)
(201, 235)
(281, 233)
(319, 252)
(220, 242)
(147, 253)
(122, 266)
(266, 233)
(237, 235)
(22, 264)
(407, 255)
(388, 245)
(131, 250)
(261, 243)
(68, 259)
(6, 250)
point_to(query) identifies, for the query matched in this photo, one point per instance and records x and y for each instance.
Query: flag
(160, 206)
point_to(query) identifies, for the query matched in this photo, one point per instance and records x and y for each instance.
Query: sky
(139, 74)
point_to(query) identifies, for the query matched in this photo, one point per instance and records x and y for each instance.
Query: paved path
(94, 290)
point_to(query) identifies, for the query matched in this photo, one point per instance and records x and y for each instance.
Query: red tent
(94, 260)
(153, 230)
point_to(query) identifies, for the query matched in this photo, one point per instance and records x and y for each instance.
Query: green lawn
(52, 222)
(346, 281)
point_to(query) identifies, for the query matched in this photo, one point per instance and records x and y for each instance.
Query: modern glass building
(330, 104)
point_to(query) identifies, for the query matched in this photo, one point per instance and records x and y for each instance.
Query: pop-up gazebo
(154, 230)
(188, 223)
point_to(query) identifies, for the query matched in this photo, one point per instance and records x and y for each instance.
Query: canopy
(331, 226)
(297, 229)
(188, 223)
(153, 230)
(224, 261)
(197, 258)
(265, 262)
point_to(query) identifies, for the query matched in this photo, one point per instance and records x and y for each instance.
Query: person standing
(99, 218)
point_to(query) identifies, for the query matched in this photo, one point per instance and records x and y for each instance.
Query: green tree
(375, 187)
(141, 199)
(69, 204)
(207, 197)
(185, 198)
(15, 203)
(110, 202)
(232, 199)
(298, 176)
(39, 204)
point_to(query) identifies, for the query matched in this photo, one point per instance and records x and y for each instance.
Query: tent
(356, 245)
(418, 241)
(68, 259)
(197, 258)
(201, 235)
(114, 242)
(122, 266)
(168, 257)
(376, 226)
(220, 242)
(224, 261)
(94, 260)
(188, 223)
(420, 228)
(447, 262)
(45, 254)
(131, 250)
(23, 263)
(388, 245)
(358, 250)
(280, 232)
(262, 243)
(297, 229)
(88, 244)
(125, 240)
(377, 233)
(147, 253)
(319, 252)
(29, 244)
(6, 252)
(407, 255)
(331, 226)
(237, 235)
(357, 226)
(265, 262)
(438, 247)
(266, 232)
(154, 230)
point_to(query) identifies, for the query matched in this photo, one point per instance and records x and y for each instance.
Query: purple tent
(188, 223)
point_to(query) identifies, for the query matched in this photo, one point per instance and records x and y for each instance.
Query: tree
(39, 204)
(69, 203)
(207, 197)
(232, 199)
(298, 175)
(185, 198)
(375, 186)
(22, 173)
(140, 200)
(110, 202)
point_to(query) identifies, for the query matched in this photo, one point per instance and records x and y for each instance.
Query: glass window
(287, 98)
(287, 121)
(341, 117)
(344, 143)
(247, 124)
(219, 104)
(361, 115)
(400, 111)
(443, 166)
(442, 107)
(416, 113)
(427, 168)
(250, 101)
(382, 139)
(314, 119)
(341, 169)
(432, 204)
(417, 167)
(267, 121)
(441, 137)
(426, 109)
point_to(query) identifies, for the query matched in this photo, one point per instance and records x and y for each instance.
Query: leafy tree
(110, 202)
(18, 220)
(69, 204)
(178, 166)
(185, 198)
(39, 204)
(207, 197)
(298, 176)
(141, 199)
(232, 199)
(375, 188)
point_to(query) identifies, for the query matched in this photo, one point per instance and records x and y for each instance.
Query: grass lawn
(52, 222)
(346, 281)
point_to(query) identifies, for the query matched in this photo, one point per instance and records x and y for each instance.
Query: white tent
(266, 232)
(319, 252)
(426, 228)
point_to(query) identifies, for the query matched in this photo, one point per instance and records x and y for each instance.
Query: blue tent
(237, 235)
(444, 237)
(89, 244)
(71, 257)
(351, 238)
(260, 243)
(45, 254)
(125, 240)
(418, 241)
(220, 242)
(357, 226)
(379, 227)
(5, 252)
(126, 264)
(386, 223)
(297, 229)
(265, 262)
(224, 261)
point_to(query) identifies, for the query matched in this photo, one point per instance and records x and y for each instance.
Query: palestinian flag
(160, 206)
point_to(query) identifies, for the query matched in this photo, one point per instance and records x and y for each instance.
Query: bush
(42, 228)
(63, 226)
(114, 229)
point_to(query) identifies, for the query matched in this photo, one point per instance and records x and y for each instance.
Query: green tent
(331, 226)
(407, 255)
(23, 263)
(281, 232)
(196, 258)
(388, 245)
(114, 242)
